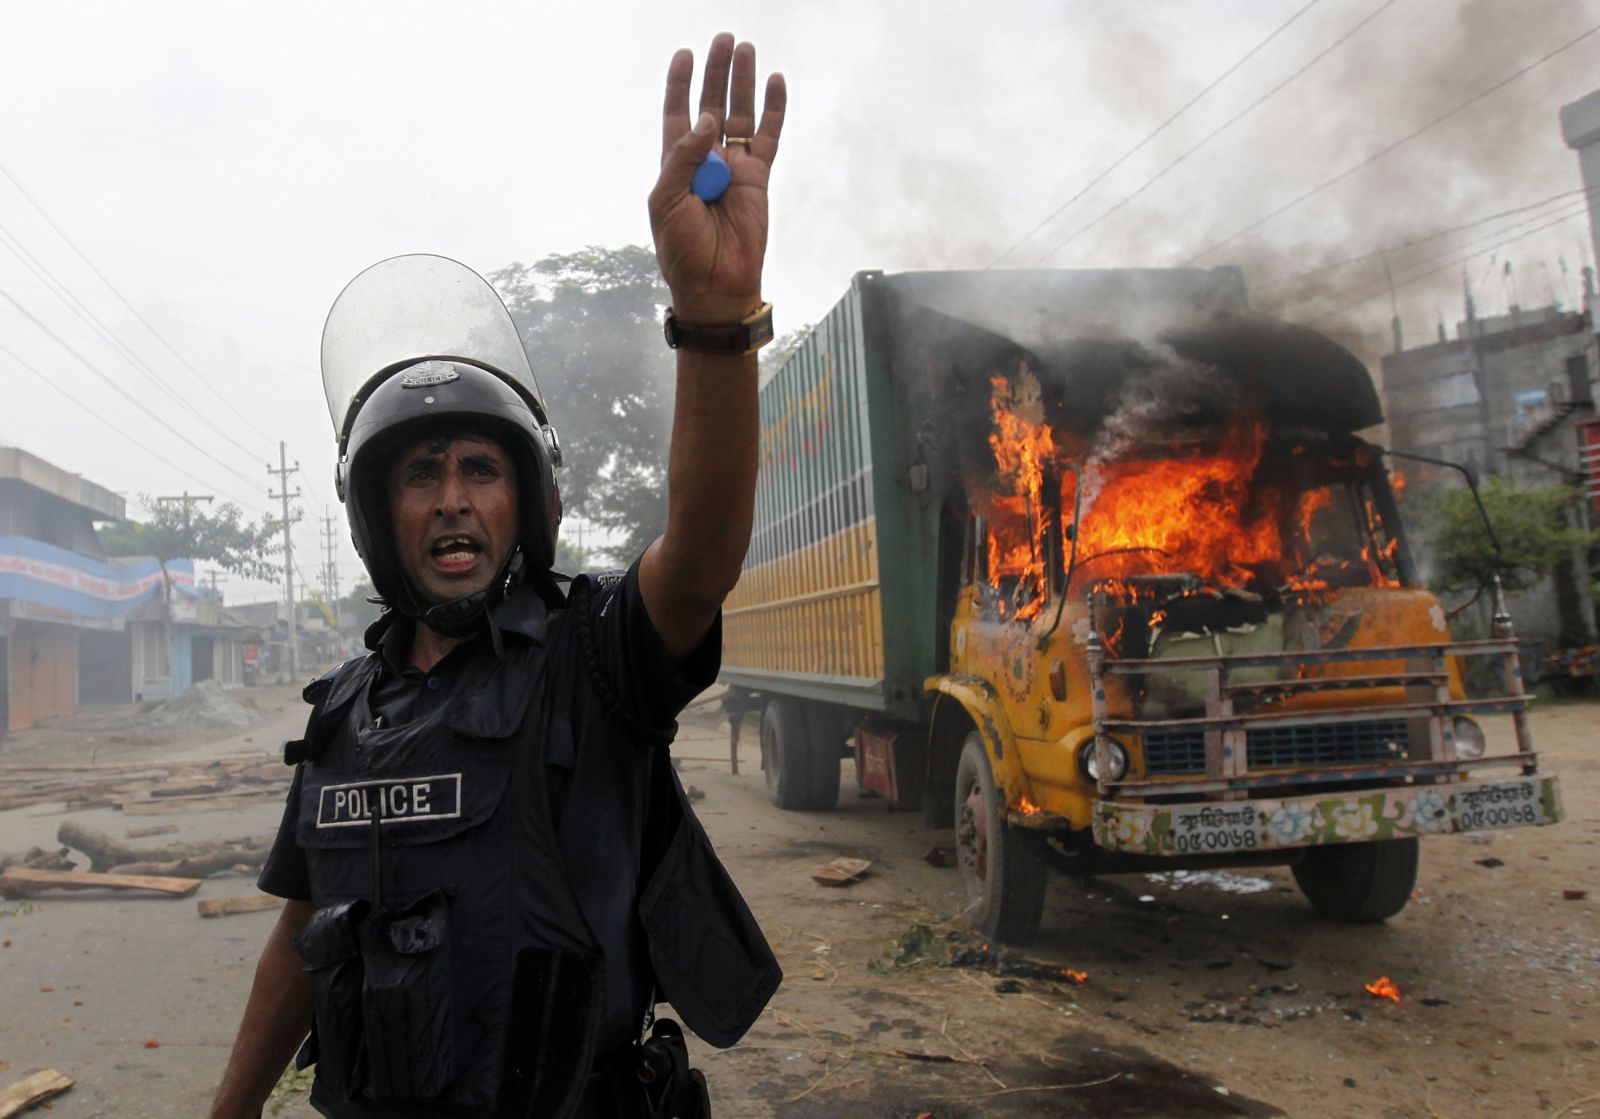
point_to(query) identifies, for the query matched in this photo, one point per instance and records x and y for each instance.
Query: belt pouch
(330, 950)
(405, 1000)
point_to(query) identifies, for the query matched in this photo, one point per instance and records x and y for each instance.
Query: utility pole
(283, 471)
(330, 566)
(189, 501)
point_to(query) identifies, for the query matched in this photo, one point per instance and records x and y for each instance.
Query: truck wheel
(1002, 867)
(785, 759)
(824, 746)
(1354, 883)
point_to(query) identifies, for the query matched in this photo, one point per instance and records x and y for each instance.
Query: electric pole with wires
(283, 471)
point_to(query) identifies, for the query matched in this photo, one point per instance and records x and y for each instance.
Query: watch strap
(728, 339)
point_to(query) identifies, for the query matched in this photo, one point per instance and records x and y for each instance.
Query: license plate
(1208, 830)
(1505, 804)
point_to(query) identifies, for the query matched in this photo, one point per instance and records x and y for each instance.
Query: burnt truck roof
(1089, 329)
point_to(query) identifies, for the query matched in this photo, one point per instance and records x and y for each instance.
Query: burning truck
(1092, 567)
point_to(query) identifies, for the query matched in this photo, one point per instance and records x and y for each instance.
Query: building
(1580, 127)
(78, 627)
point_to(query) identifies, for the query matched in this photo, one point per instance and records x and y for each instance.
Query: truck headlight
(1089, 765)
(1470, 742)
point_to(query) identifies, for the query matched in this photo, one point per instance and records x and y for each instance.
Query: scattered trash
(841, 871)
(694, 792)
(1008, 987)
(1349, 1082)
(152, 1044)
(1491, 862)
(1574, 895)
(938, 856)
(1225, 881)
(34, 1089)
(1384, 988)
(1434, 1002)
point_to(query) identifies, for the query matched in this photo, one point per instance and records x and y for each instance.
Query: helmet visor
(408, 309)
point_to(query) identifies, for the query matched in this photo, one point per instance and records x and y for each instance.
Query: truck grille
(1319, 744)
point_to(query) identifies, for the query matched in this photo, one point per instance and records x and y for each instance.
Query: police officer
(491, 870)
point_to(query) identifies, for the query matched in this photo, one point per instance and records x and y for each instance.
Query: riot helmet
(422, 344)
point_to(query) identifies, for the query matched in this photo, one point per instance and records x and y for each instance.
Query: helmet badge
(427, 374)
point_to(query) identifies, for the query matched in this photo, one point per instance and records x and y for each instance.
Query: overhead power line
(1227, 124)
(1401, 246)
(117, 428)
(1158, 130)
(1406, 139)
(1461, 257)
(109, 381)
(34, 202)
(77, 306)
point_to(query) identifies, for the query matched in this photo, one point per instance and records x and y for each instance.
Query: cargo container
(1094, 567)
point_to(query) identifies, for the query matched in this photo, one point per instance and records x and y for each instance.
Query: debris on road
(227, 907)
(19, 882)
(38, 858)
(184, 860)
(841, 871)
(939, 857)
(31, 1090)
(1574, 895)
(1383, 988)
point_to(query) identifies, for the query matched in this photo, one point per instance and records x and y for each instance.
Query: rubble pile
(206, 706)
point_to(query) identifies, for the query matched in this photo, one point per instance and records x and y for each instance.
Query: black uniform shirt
(647, 683)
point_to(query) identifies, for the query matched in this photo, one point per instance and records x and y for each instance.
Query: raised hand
(711, 253)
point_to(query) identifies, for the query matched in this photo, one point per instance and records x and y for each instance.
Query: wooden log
(153, 829)
(106, 852)
(20, 881)
(38, 858)
(227, 907)
(180, 805)
(199, 866)
(31, 1090)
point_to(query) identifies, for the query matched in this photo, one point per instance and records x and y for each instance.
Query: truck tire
(825, 749)
(785, 760)
(1358, 883)
(1002, 867)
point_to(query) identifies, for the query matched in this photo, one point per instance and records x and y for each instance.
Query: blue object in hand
(711, 178)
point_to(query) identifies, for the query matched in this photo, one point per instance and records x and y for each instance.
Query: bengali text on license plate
(1199, 831)
(1505, 804)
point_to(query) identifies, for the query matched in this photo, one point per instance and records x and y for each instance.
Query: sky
(197, 181)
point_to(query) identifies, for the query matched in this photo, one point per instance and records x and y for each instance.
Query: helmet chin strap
(462, 616)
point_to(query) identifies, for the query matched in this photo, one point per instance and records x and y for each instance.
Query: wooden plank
(19, 881)
(178, 805)
(31, 1090)
(153, 829)
(226, 907)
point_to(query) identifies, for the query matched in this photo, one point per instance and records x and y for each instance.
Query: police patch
(398, 800)
(428, 373)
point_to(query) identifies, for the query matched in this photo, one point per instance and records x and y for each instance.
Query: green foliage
(178, 530)
(1454, 551)
(591, 323)
(915, 946)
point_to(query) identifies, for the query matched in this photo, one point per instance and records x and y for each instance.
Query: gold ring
(742, 141)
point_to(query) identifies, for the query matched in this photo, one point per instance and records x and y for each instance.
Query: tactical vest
(452, 969)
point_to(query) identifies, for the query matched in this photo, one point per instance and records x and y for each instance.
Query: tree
(591, 323)
(176, 529)
(1533, 525)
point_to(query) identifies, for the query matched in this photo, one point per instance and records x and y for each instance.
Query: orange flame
(1076, 976)
(1383, 988)
(1224, 512)
(1027, 807)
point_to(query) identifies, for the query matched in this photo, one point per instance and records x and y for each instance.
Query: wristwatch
(729, 339)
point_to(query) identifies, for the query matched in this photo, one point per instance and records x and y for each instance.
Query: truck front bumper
(1224, 827)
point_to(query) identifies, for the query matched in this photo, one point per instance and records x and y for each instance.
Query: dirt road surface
(1202, 994)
